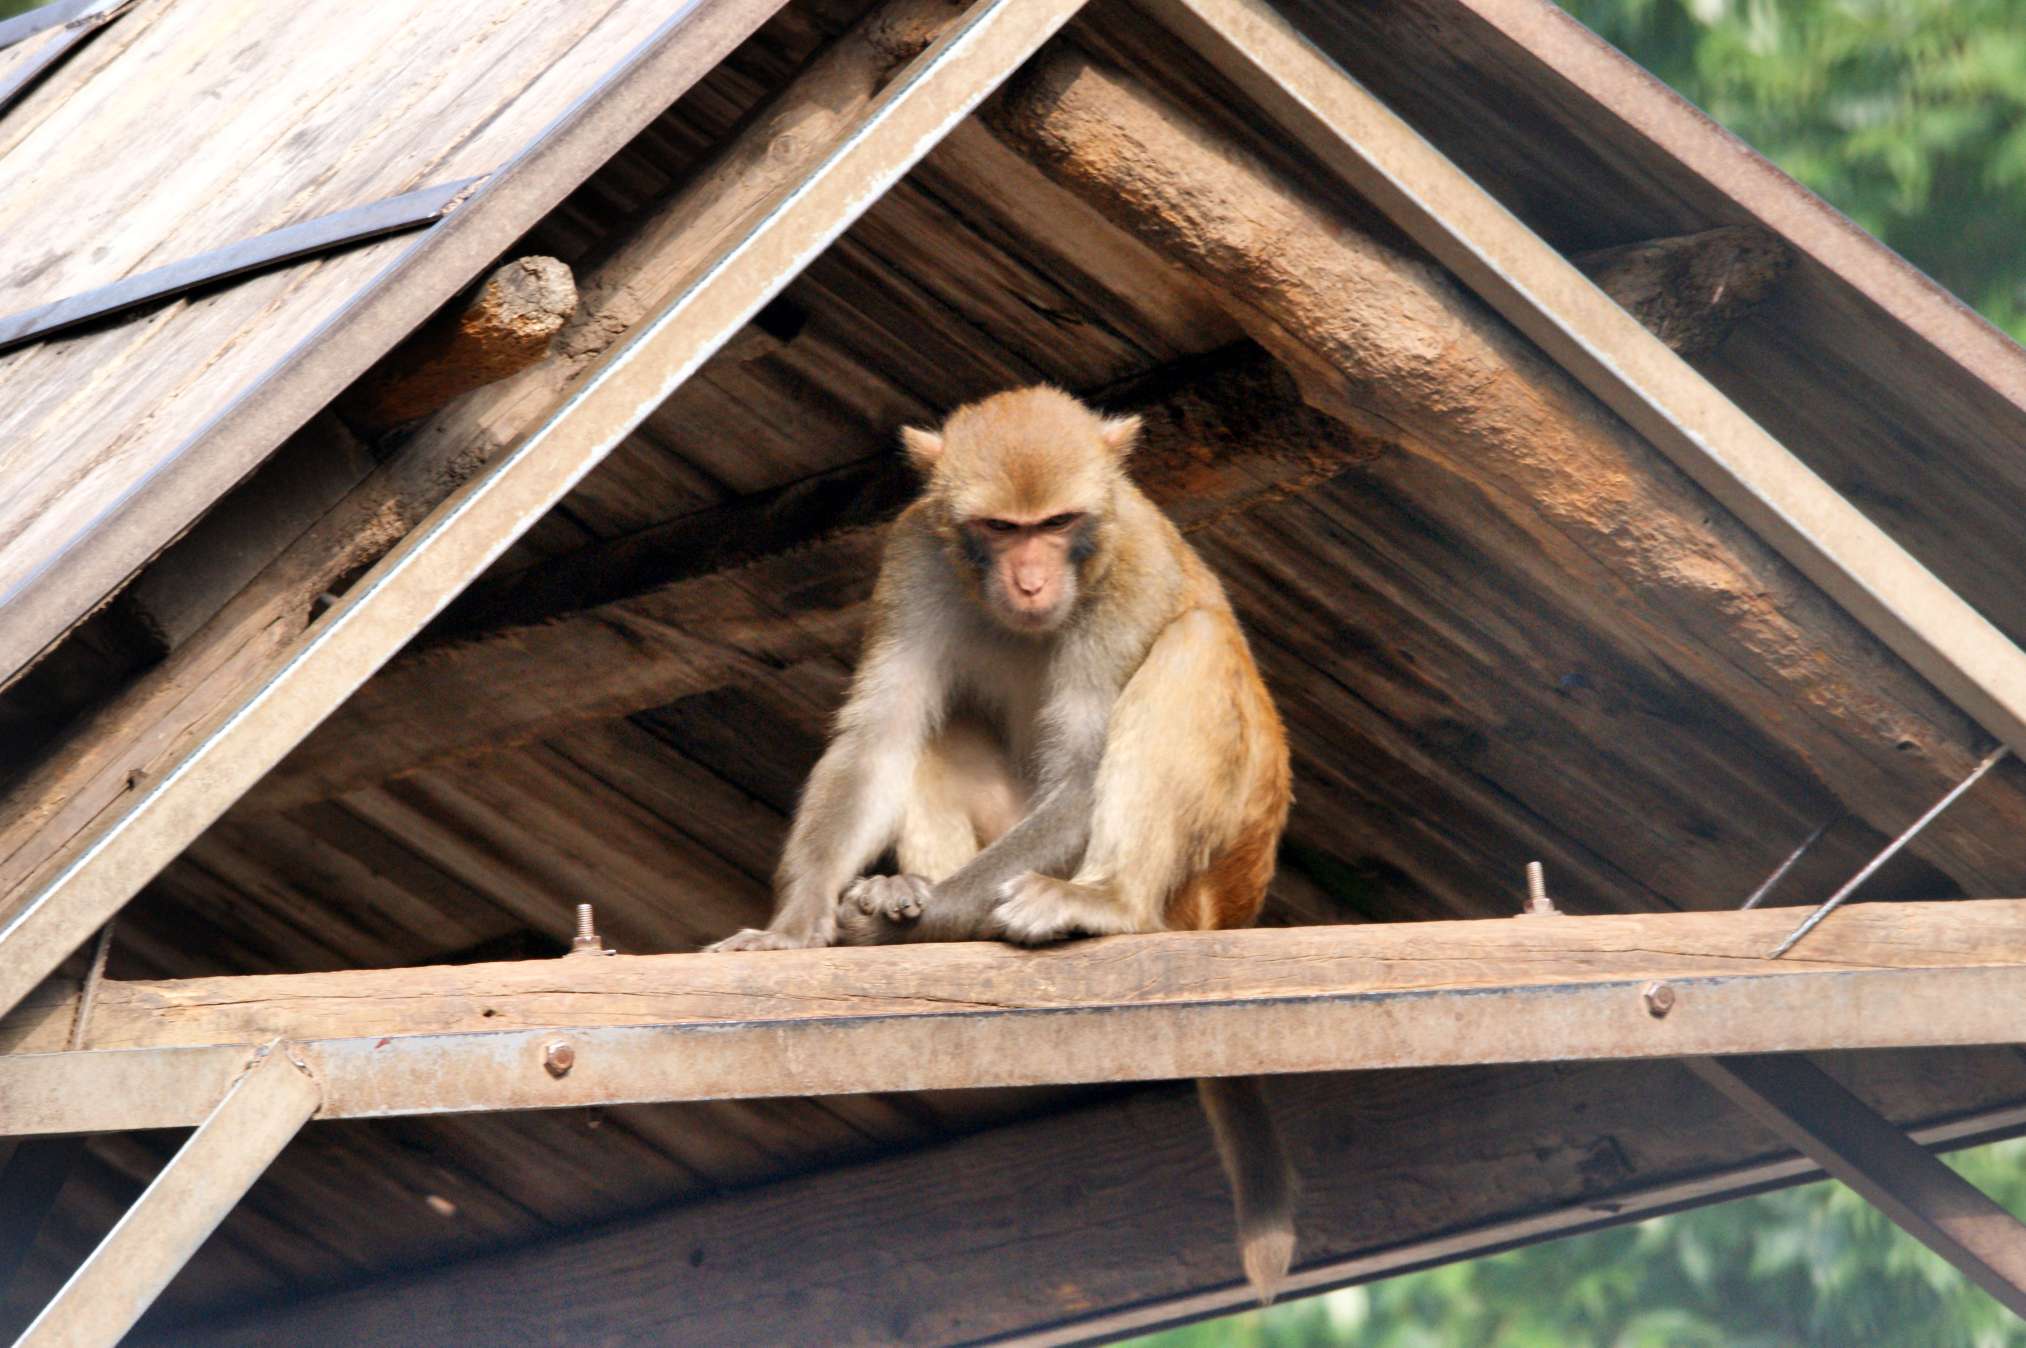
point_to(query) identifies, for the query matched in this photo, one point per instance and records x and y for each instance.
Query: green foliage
(1908, 115)
(1795, 1269)
(9, 8)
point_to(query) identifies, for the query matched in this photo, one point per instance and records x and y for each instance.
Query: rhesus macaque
(1057, 730)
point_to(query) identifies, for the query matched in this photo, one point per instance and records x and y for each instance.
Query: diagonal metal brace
(231, 1149)
(1895, 1174)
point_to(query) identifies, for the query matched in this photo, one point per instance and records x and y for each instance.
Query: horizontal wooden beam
(759, 583)
(1139, 1008)
(1109, 1220)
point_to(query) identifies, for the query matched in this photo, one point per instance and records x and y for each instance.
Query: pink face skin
(1028, 568)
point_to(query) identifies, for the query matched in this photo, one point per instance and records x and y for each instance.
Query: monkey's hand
(754, 938)
(876, 909)
(1040, 909)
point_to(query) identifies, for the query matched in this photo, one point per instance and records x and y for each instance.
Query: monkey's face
(1027, 568)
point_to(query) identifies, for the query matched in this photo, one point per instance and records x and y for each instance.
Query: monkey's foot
(874, 908)
(753, 938)
(1037, 909)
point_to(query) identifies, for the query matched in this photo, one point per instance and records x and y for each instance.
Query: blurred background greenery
(9, 8)
(1813, 1267)
(1910, 116)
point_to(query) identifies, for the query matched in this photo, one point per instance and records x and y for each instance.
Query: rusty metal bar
(1843, 1135)
(1633, 372)
(261, 1110)
(409, 586)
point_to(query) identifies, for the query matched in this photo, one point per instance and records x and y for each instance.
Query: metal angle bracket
(340, 229)
(79, 19)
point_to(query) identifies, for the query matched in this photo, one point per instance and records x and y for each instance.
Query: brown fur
(1044, 645)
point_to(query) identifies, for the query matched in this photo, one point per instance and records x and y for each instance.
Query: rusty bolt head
(559, 1057)
(1659, 999)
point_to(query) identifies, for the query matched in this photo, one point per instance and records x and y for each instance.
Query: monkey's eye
(1057, 523)
(1000, 526)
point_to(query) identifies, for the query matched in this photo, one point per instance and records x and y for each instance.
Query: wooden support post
(1843, 1135)
(1130, 1008)
(259, 1113)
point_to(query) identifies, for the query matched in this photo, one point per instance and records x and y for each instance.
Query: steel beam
(1895, 1174)
(232, 1147)
(466, 534)
(1633, 372)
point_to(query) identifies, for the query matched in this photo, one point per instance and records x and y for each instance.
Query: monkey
(1057, 730)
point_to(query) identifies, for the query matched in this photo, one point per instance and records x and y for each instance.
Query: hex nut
(559, 1057)
(1659, 999)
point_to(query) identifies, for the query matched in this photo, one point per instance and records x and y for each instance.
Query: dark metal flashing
(359, 224)
(80, 19)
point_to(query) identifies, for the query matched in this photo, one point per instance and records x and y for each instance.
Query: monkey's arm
(1050, 840)
(851, 808)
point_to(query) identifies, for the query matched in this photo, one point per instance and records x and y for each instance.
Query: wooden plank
(1110, 1220)
(36, 41)
(1843, 1135)
(129, 432)
(708, 1026)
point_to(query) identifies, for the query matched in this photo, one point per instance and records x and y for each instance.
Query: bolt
(1659, 999)
(559, 1056)
(587, 941)
(1538, 903)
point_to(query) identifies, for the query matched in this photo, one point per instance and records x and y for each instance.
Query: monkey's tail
(1262, 1180)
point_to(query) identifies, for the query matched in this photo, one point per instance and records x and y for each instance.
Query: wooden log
(1108, 1221)
(1386, 340)
(502, 330)
(728, 594)
(1690, 291)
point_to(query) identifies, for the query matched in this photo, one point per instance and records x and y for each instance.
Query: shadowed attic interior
(1481, 662)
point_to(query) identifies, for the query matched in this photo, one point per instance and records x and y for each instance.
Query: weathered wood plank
(1110, 1220)
(689, 1027)
(128, 432)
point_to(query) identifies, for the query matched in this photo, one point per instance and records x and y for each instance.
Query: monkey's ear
(923, 447)
(1120, 434)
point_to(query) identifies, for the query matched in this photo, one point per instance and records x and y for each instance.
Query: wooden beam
(1109, 1220)
(814, 1022)
(1382, 336)
(1784, 504)
(1690, 291)
(727, 594)
(1930, 1202)
(86, 877)
(503, 329)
